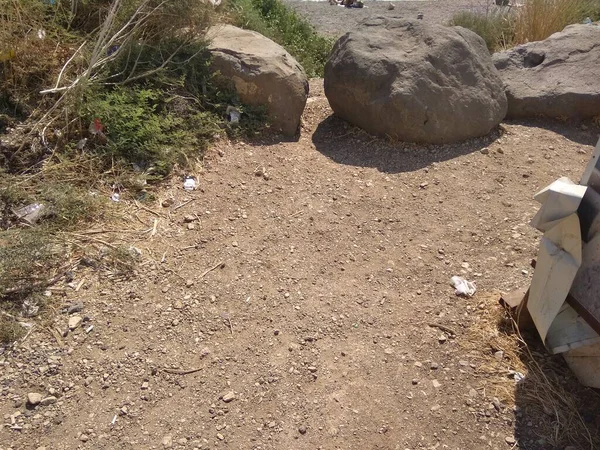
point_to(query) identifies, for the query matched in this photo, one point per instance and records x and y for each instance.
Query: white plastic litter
(115, 197)
(463, 287)
(233, 114)
(189, 184)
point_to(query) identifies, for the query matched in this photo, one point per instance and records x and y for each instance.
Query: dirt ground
(336, 20)
(317, 327)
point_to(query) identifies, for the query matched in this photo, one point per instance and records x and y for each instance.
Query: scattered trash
(7, 55)
(587, 21)
(215, 3)
(233, 115)
(31, 213)
(81, 144)
(115, 197)
(518, 377)
(96, 129)
(30, 307)
(111, 51)
(41, 34)
(463, 287)
(89, 329)
(189, 184)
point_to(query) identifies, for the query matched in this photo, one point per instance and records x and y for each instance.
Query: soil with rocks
(300, 299)
(333, 20)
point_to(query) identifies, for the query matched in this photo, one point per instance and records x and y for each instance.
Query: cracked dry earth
(314, 333)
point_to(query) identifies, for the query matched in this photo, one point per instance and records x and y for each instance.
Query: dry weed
(547, 392)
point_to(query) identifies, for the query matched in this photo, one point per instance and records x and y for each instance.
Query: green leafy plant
(279, 22)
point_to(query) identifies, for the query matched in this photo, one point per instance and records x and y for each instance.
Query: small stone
(229, 397)
(302, 429)
(74, 322)
(189, 283)
(388, 351)
(499, 150)
(485, 150)
(272, 424)
(189, 218)
(191, 226)
(435, 408)
(436, 384)
(499, 355)
(84, 437)
(497, 404)
(442, 338)
(312, 369)
(182, 441)
(167, 202)
(145, 385)
(510, 440)
(48, 401)
(75, 307)
(234, 244)
(123, 411)
(178, 304)
(415, 381)
(33, 398)
(276, 332)
(434, 366)
(220, 436)
(472, 393)
(167, 441)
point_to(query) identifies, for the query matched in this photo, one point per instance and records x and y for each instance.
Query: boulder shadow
(350, 145)
(581, 132)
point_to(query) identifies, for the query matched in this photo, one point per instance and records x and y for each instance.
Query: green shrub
(280, 23)
(496, 28)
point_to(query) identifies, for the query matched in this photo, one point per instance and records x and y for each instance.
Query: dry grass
(538, 19)
(533, 20)
(549, 393)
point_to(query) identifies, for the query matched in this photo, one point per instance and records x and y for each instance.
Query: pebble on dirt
(229, 397)
(48, 401)
(302, 429)
(74, 322)
(33, 398)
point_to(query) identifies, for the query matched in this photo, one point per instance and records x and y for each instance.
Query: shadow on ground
(553, 410)
(584, 133)
(346, 144)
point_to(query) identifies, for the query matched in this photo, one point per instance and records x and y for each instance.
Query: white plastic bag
(463, 287)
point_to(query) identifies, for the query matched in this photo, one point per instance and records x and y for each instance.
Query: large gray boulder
(415, 81)
(262, 72)
(556, 77)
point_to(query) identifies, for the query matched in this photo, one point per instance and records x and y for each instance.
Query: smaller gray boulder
(556, 77)
(262, 72)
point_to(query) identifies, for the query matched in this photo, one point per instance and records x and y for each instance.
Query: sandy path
(336, 20)
(337, 253)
